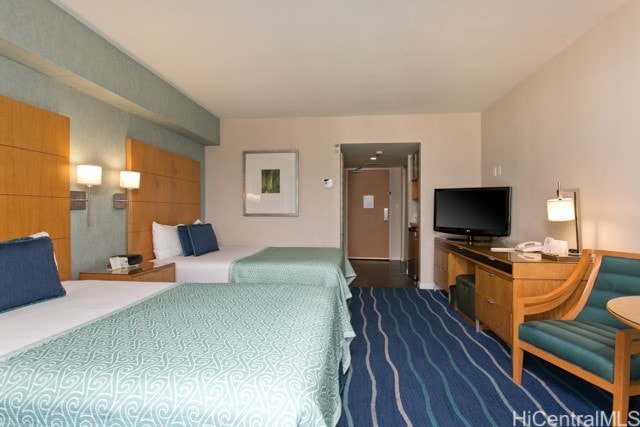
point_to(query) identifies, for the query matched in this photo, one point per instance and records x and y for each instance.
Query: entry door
(368, 214)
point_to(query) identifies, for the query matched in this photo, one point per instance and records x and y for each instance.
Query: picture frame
(270, 183)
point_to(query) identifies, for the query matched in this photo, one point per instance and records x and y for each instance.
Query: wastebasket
(466, 294)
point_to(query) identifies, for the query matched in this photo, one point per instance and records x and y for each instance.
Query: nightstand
(145, 272)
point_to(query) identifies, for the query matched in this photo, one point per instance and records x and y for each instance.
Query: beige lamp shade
(89, 175)
(560, 210)
(130, 180)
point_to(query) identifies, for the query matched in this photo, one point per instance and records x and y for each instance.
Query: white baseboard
(428, 285)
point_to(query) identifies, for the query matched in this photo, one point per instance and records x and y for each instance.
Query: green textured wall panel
(42, 36)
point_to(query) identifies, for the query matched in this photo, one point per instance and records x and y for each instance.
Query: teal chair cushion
(585, 344)
(617, 277)
(589, 340)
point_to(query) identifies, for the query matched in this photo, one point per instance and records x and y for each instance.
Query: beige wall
(395, 214)
(450, 156)
(577, 121)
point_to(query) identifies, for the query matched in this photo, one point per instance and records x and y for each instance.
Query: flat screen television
(473, 212)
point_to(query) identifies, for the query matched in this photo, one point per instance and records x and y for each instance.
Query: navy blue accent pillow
(29, 272)
(203, 239)
(185, 240)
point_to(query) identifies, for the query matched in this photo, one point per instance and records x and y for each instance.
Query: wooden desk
(626, 310)
(501, 278)
(145, 272)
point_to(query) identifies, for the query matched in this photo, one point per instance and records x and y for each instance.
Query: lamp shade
(130, 180)
(560, 210)
(89, 175)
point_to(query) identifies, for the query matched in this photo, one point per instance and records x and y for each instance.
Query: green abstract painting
(270, 181)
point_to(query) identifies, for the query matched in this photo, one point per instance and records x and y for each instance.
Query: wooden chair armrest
(541, 303)
(535, 304)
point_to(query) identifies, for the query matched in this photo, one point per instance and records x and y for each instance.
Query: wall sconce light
(88, 175)
(567, 209)
(130, 180)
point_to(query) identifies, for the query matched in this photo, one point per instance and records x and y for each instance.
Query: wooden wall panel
(143, 214)
(157, 188)
(32, 128)
(32, 173)
(140, 242)
(62, 249)
(147, 158)
(169, 193)
(34, 176)
(23, 215)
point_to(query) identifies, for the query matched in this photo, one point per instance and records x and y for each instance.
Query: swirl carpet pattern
(415, 362)
(195, 354)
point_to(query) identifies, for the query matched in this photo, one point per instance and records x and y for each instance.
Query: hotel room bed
(211, 267)
(189, 354)
(294, 266)
(327, 267)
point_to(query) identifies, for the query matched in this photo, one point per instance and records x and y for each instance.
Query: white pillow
(39, 234)
(166, 243)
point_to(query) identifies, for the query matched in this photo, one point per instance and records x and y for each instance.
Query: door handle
(386, 214)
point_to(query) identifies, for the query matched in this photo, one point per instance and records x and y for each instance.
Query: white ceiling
(281, 58)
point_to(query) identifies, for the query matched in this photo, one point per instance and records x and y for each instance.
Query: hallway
(380, 274)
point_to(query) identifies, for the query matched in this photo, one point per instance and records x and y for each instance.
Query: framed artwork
(270, 183)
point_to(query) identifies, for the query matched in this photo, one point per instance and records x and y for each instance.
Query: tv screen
(479, 211)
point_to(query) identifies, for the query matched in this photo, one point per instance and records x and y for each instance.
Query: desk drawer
(496, 289)
(494, 316)
(441, 258)
(494, 302)
(440, 276)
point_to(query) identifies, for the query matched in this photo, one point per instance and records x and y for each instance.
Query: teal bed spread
(296, 265)
(195, 354)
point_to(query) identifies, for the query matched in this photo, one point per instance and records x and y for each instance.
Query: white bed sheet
(86, 300)
(212, 267)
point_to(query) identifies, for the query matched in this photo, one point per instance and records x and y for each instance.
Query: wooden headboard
(34, 176)
(169, 193)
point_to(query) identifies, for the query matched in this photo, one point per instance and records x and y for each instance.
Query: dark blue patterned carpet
(416, 362)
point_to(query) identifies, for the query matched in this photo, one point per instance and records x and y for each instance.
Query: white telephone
(530, 246)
